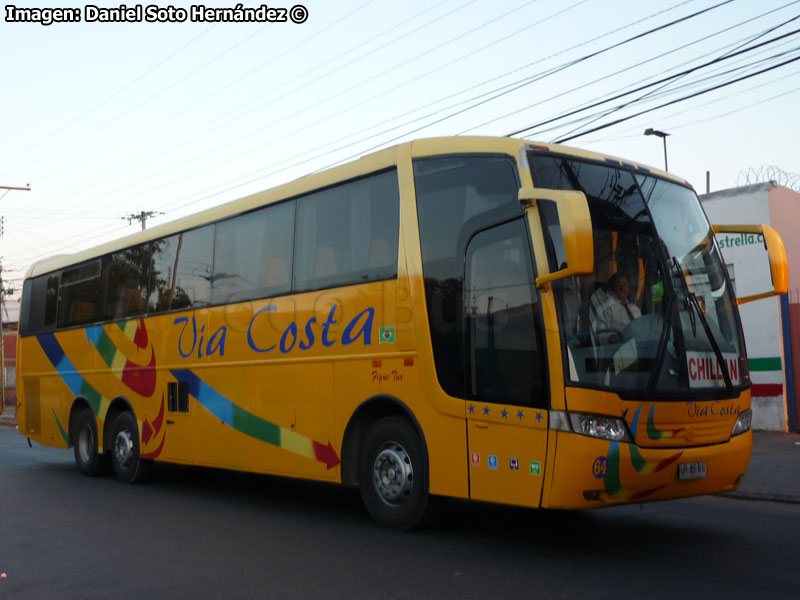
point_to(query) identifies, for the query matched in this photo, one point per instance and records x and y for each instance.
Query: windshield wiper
(682, 278)
(669, 317)
(694, 306)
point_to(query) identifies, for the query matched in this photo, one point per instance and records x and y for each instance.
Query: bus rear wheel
(393, 474)
(128, 465)
(84, 439)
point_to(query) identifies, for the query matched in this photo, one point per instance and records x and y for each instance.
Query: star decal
(520, 414)
(504, 413)
(472, 409)
(486, 410)
(538, 417)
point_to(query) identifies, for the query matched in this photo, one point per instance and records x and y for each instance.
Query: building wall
(761, 320)
(784, 210)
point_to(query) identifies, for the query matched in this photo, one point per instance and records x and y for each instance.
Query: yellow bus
(466, 317)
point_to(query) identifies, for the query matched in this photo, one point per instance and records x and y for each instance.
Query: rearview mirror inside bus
(761, 247)
(565, 221)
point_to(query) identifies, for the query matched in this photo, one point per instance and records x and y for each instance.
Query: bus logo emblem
(536, 468)
(476, 459)
(513, 463)
(386, 335)
(492, 461)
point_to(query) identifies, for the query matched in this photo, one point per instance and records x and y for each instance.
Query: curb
(8, 419)
(761, 497)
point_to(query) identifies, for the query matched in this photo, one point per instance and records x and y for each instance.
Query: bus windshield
(658, 315)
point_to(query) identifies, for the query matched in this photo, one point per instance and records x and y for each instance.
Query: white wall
(761, 319)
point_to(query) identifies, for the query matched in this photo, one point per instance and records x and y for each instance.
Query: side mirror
(574, 224)
(776, 251)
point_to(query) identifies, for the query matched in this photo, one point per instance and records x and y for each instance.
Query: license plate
(694, 470)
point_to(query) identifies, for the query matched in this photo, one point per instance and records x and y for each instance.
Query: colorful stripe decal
(70, 376)
(656, 434)
(613, 484)
(139, 378)
(63, 433)
(249, 424)
(151, 431)
(643, 466)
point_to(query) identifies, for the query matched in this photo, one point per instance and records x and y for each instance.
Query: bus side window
(39, 304)
(248, 250)
(125, 282)
(79, 294)
(505, 335)
(195, 260)
(452, 192)
(181, 265)
(348, 234)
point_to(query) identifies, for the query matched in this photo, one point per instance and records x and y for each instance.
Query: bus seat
(135, 303)
(325, 263)
(80, 312)
(379, 253)
(276, 273)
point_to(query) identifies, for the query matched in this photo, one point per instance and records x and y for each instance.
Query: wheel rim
(393, 474)
(123, 448)
(85, 443)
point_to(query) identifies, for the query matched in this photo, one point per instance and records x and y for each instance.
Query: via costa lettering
(261, 339)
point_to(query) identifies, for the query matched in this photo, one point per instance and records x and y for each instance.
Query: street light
(663, 136)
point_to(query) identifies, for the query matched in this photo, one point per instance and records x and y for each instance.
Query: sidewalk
(7, 418)
(773, 474)
(774, 471)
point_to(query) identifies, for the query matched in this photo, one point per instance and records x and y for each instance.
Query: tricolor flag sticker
(386, 335)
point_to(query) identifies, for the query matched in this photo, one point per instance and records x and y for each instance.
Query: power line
(654, 83)
(186, 77)
(406, 61)
(296, 89)
(305, 161)
(590, 118)
(682, 99)
(655, 92)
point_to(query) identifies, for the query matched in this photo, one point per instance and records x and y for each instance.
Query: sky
(108, 119)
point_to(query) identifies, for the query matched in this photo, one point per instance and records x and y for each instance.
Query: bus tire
(393, 474)
(84, 442)
(124, 447)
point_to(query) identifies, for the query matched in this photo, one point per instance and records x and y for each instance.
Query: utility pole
(142, 217)
(27, 188)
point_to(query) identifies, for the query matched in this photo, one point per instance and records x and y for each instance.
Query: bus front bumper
(590, 472)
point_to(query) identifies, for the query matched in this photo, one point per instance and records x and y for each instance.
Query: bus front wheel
(128, 464)
(393, 477)
(84, 439)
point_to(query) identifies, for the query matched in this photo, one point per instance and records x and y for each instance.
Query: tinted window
(39, 302)
(79, 295)
(348, 234)
(253, 255)
(505, 341)
(182, 265)
(125, 282)
(456, 196)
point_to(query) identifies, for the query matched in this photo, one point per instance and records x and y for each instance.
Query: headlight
(596, 426)
(742, 424)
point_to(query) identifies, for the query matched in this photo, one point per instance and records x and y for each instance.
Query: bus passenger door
(505, 354)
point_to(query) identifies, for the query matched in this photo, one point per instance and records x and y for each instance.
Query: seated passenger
(610, 307)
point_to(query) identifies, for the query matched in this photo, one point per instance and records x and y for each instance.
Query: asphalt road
(202, 533)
